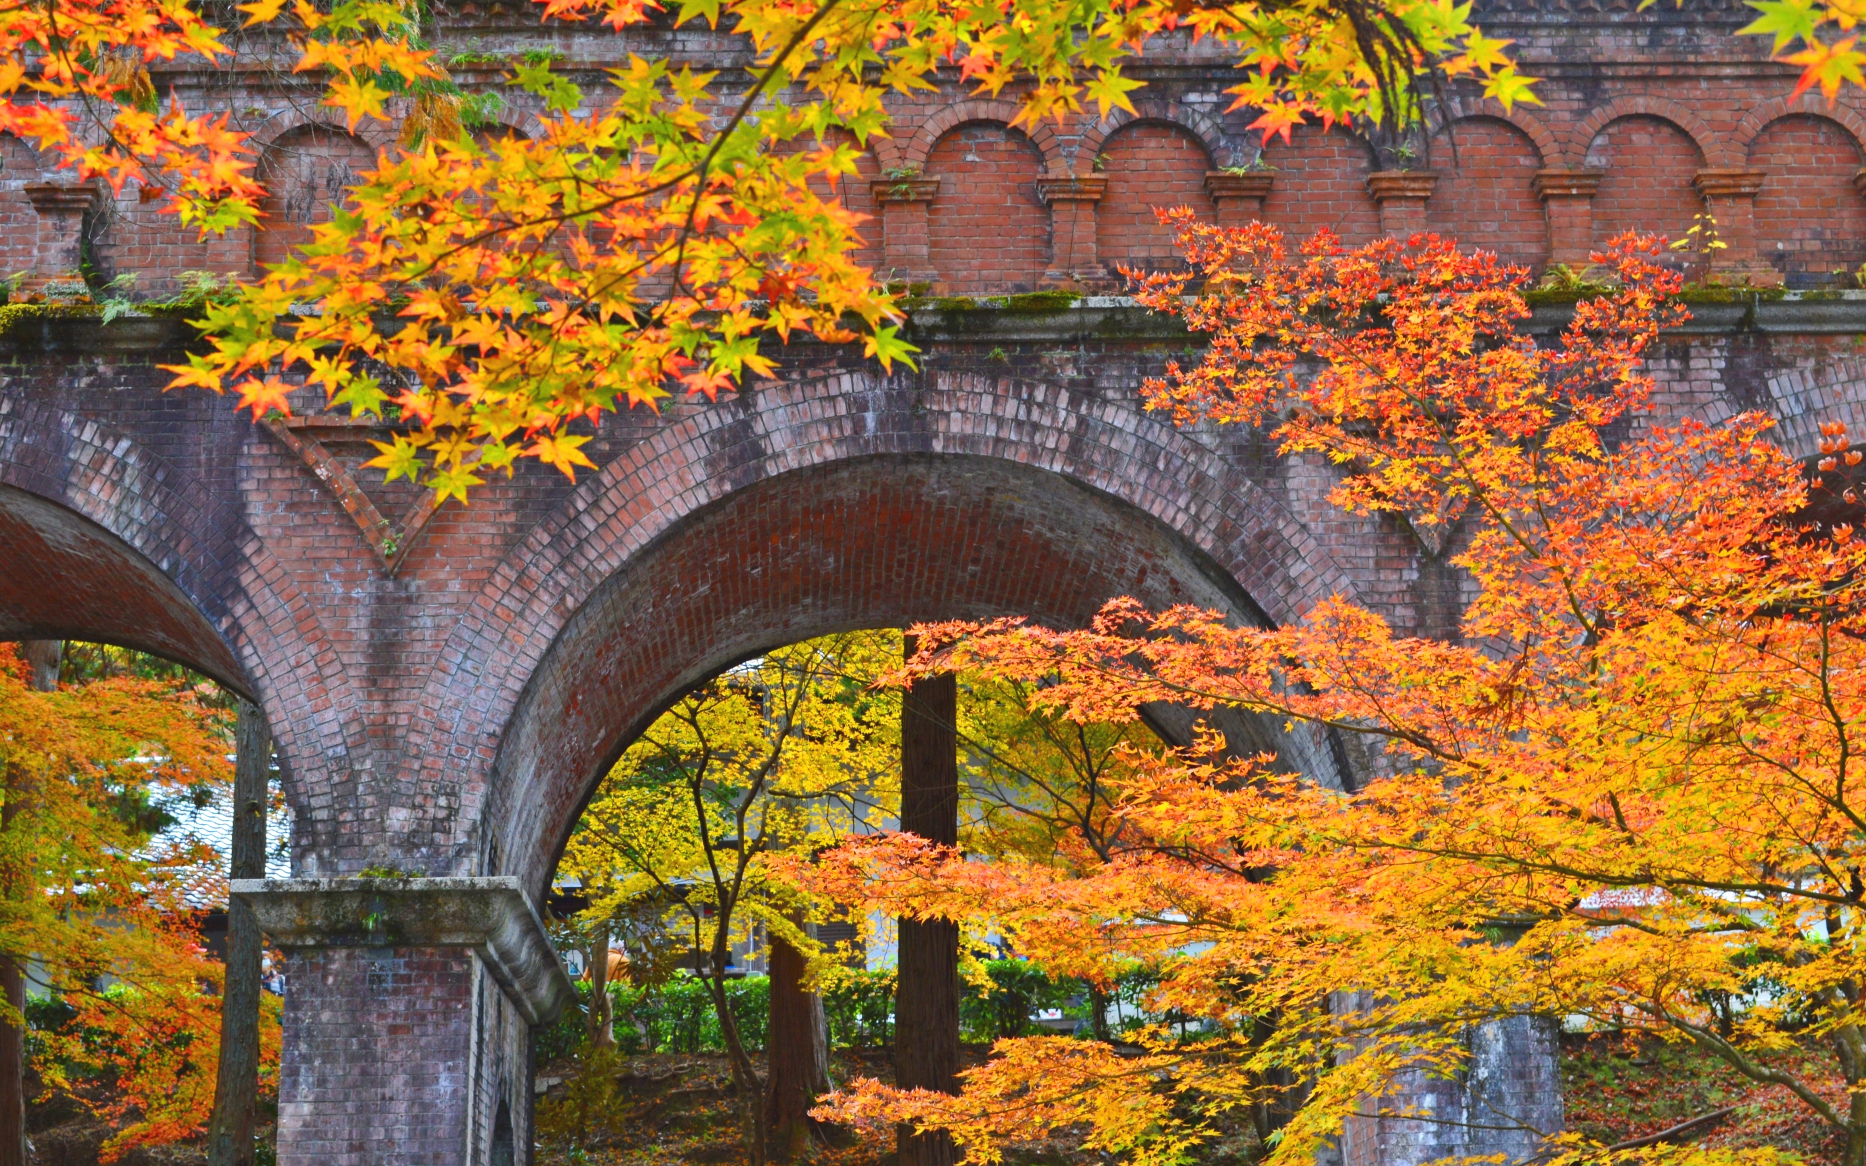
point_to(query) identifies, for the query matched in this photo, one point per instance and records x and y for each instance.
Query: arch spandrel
(103, 539)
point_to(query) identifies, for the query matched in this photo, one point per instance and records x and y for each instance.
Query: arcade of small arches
(962, 202)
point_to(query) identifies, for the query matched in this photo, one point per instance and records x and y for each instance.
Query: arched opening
(1485, 195)
(62, 576)
(880, 541)
(1321, 181)
(1810, 221)
(1649, 164)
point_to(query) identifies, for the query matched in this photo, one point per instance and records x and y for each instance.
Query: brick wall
(1485, 195)
(1321, 181)
(20, 167)
(1148, 166)
(380, 1035)
(1649, 164)
(1809, 219)
(988, 233)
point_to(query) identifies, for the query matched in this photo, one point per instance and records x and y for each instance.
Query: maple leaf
(1786, 21)
(1280, 119)
(564, 453)
(1827, 66)
(264, 396)
(1110, 90)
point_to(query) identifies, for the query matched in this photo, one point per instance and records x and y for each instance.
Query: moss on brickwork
(14, 316)
(1043, 301)
(1696, 294)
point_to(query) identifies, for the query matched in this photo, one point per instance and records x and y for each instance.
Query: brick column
(1730, 198)
(1238, 198)
(60, 248)
(409, 1005)
(1072, 228)
(1401, 196)
(904, 204)
(1568, 202)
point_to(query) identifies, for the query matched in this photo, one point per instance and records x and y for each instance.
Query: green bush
(675, 1017)
(1018, 988)
(860, 1010)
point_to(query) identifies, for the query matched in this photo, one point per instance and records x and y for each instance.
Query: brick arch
(101, 539)
(951, 117)
(377, 135)
(1808, 217)
(290, 207)
(1547, 144)
(988, 229)
(1713, 150)
(1204, 128)
(1059, 451)
(1807, 105)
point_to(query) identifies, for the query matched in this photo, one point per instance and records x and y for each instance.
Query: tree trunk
(599, 1019)
(230, 1131)
(1098, 1014)
(42, 662)
(926, 1002)
(797, 1051)
(744, 1074)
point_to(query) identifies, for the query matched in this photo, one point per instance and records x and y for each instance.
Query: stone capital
(1072, 188)
(1717, 183)
(1401, 185)
(916, 189)
(493, 917)
(51, 199)
(1563, 183)
(1224, 184)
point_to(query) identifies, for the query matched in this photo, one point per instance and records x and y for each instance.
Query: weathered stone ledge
(491, 916)
(1021, 320)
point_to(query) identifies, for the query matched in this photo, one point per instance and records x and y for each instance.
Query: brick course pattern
(452, 716)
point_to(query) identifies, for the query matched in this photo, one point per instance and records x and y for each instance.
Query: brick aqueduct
(445, 701)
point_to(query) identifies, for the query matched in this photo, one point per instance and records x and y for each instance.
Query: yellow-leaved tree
(787, 754)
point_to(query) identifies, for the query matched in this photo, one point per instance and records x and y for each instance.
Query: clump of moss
(14, 316)
(1040, 301)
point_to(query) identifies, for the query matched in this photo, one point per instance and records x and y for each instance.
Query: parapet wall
(1645, 121)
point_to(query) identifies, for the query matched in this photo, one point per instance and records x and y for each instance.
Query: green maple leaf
(887, 347)
(1786, 20)
(1110, 90)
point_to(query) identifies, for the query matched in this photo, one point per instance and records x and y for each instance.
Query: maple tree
(786, 754)
(101, 916)
(1625, 793)
(486, 292)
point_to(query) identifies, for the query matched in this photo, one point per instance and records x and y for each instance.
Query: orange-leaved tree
(485, 293)
(1627, 792)
(100, 916)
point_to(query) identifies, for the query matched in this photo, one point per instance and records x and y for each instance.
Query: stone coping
(959, 319)
(493, 917)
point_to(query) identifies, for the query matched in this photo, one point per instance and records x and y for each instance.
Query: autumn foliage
(1626, 793)
(104, 922)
